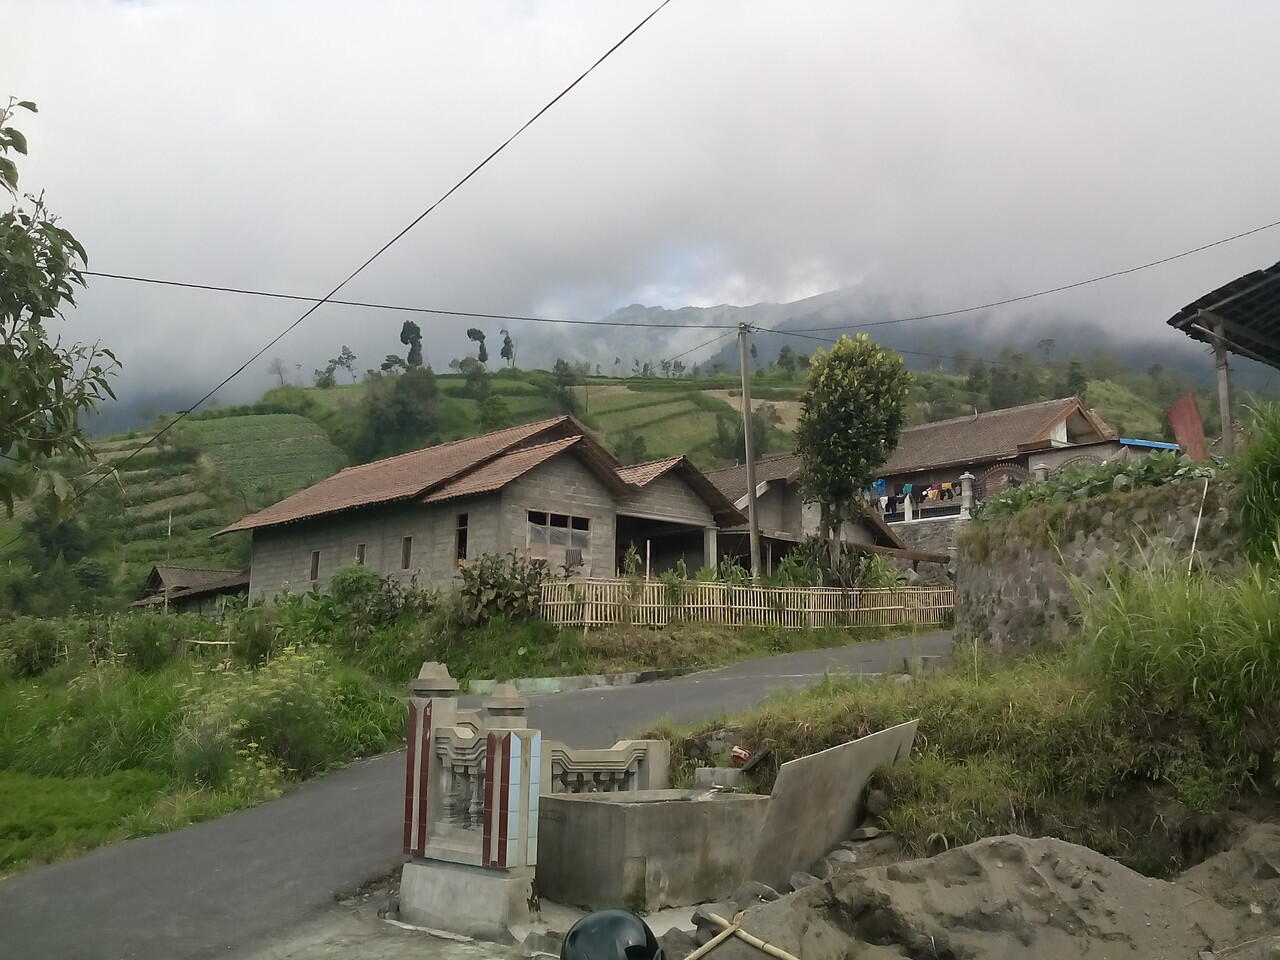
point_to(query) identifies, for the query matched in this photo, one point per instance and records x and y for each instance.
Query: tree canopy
(44, 385)
(851, 416)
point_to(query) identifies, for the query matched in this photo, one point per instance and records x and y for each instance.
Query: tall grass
(1259, 466)
(1168, 646)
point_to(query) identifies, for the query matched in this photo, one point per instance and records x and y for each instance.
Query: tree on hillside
(326, 378)
(277, 368)
(477, 335)
(851, 416)
(393, 363)
(1077, 381)
(666, 367)
(411, 337)
(477, 385)
(346, 359)
(397, 413)
(45, 386)
(729, 443)
(494, 412)
(508, 351)
(631, 447)
(787, 361)
(755, 355)
(563, 378)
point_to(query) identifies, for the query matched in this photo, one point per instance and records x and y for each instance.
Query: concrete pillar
(907, 513)
(1224, 391)
(1041, 472)
(966, 495)
(505, 708)
(709, 547)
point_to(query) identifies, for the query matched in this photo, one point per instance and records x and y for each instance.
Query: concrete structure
(545, 490)
(817, 802)
(174, 588)
(647, 849)
(474, 782)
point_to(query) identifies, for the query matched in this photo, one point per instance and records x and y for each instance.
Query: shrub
(145, 641)
(29, 646)
(495, 585)
(1083, 482)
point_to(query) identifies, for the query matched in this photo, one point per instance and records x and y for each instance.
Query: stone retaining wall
(1012, 587)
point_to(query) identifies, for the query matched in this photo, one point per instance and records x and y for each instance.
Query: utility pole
(1224, 390)
(749, 443)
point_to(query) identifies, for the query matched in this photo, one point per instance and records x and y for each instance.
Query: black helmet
(610, 935)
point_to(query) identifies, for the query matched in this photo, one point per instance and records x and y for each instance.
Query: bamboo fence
(656, 603)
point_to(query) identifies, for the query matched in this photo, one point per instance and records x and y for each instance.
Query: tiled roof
(497, 473)
(640, 474)
(732, 481)
(988, 436)
(396, 478)
(180, 581)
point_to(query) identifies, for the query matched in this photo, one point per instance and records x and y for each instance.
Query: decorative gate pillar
(472, 779)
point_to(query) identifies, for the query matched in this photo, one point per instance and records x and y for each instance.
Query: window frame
(406, 552)
(314, 568)
(360, 552)
(460, 539)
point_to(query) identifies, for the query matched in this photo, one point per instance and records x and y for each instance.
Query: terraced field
(265, 457)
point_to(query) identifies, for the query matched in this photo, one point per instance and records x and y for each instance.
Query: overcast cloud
(734, 151)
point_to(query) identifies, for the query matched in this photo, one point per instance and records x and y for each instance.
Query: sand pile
(1016, 897)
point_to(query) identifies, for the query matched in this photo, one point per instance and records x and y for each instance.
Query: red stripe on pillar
(505, 800)
(424, 784)
(490, 753)
(411, 741)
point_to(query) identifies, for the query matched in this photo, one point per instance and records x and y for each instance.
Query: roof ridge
(759, 460)
(969, 418)
(450, 443)
(648, 463)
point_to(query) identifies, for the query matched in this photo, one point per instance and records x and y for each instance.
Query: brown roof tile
(396, 478)
(732, 481)
(497, 473)
(640, 474)
(994, 435)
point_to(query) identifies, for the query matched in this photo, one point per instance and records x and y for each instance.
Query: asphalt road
(221, 887)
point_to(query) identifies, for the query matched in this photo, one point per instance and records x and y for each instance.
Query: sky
(926, 154)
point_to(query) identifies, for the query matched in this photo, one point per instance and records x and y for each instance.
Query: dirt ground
(788, 410)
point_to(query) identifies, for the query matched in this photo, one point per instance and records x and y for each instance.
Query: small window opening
(360, 554)
(315, 564)
(460, 540)
(406, 553)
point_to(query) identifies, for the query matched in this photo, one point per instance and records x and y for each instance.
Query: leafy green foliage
(495, 585)
(44, 386)
(850, 419)
(1086, 480)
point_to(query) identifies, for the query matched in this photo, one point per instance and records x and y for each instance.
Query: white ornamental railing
(656, 603)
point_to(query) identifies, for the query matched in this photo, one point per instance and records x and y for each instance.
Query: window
(558, 530)
(406, 553)
(360, 554)
(460, 540)
(315, 564)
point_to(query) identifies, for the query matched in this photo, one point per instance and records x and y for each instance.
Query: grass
(267, 455)
(1134, 740)
(1130, 414)
(1259, 466)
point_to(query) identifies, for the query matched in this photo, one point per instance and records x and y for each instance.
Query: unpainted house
(544, 489)
(786, 518)
(180, 589)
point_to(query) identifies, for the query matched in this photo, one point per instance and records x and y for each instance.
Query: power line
(379, 252)
(1042, 293)
(916, 353)
(440, 311)
(707, 343)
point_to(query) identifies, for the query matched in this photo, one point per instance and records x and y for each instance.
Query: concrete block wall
(1012, 586)
(669, 498)
(282, 555)
(562, 485)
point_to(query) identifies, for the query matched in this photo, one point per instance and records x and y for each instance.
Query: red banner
(1188, 429)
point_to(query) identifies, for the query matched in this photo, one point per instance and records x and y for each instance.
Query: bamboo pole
(764, 947)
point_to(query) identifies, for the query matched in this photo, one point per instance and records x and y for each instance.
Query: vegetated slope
(266, 457)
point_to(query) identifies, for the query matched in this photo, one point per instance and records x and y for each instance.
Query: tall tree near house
(851, 416)
(411, 337)
(277, 369)
(477, 335)
(44, 385)
(508, 351)
(346, 359)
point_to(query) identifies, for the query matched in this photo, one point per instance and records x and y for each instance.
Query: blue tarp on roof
(1153, 444)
